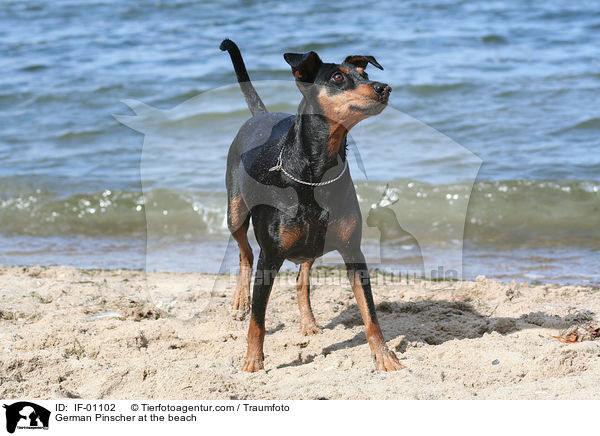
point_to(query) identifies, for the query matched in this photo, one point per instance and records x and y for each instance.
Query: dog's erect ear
(304, 65)
(362, 61)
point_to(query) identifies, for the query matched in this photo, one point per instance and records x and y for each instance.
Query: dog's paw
(386, 360)
(253, 364)
(310, 329)
(241, 306)
(239, 314)
(241, 302)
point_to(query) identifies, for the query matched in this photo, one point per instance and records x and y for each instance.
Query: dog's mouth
(374, 108)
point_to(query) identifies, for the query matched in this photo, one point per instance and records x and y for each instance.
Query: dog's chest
(314, 233)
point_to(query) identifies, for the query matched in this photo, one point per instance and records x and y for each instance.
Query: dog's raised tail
(254, 102)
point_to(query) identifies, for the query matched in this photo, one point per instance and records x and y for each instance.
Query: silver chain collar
(279, 167)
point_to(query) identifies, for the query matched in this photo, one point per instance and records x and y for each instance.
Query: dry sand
(127, 335)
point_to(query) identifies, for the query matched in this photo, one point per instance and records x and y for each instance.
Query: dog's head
(342, 92)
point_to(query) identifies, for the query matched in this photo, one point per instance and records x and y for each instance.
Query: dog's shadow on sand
(434, 322)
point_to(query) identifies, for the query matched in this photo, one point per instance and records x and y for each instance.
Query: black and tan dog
(289, 174)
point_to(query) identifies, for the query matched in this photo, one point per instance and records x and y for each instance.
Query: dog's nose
(381, 88)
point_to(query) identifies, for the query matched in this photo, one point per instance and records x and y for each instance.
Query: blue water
(514, 84)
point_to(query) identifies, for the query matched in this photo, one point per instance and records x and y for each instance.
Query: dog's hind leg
(239, 221)
(308, 325)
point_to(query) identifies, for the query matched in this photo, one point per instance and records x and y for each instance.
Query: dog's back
(257, 134)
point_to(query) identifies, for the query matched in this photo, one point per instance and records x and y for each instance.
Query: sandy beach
(122, 334)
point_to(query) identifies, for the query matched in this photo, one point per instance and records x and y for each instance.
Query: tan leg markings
(254, 356)
(385, 359)
(308, 325)
(241, 297)
(237, 213)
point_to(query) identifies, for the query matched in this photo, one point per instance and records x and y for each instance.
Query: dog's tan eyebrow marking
(344, 70)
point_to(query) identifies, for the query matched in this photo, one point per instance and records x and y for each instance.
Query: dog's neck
(315, 141)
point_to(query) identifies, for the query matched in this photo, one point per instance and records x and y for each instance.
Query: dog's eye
(337, 77)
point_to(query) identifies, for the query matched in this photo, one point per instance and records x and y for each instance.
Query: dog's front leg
(266, 271)
(358, 274)
(308, 325)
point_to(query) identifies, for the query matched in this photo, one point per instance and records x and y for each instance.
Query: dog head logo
(25, 415)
